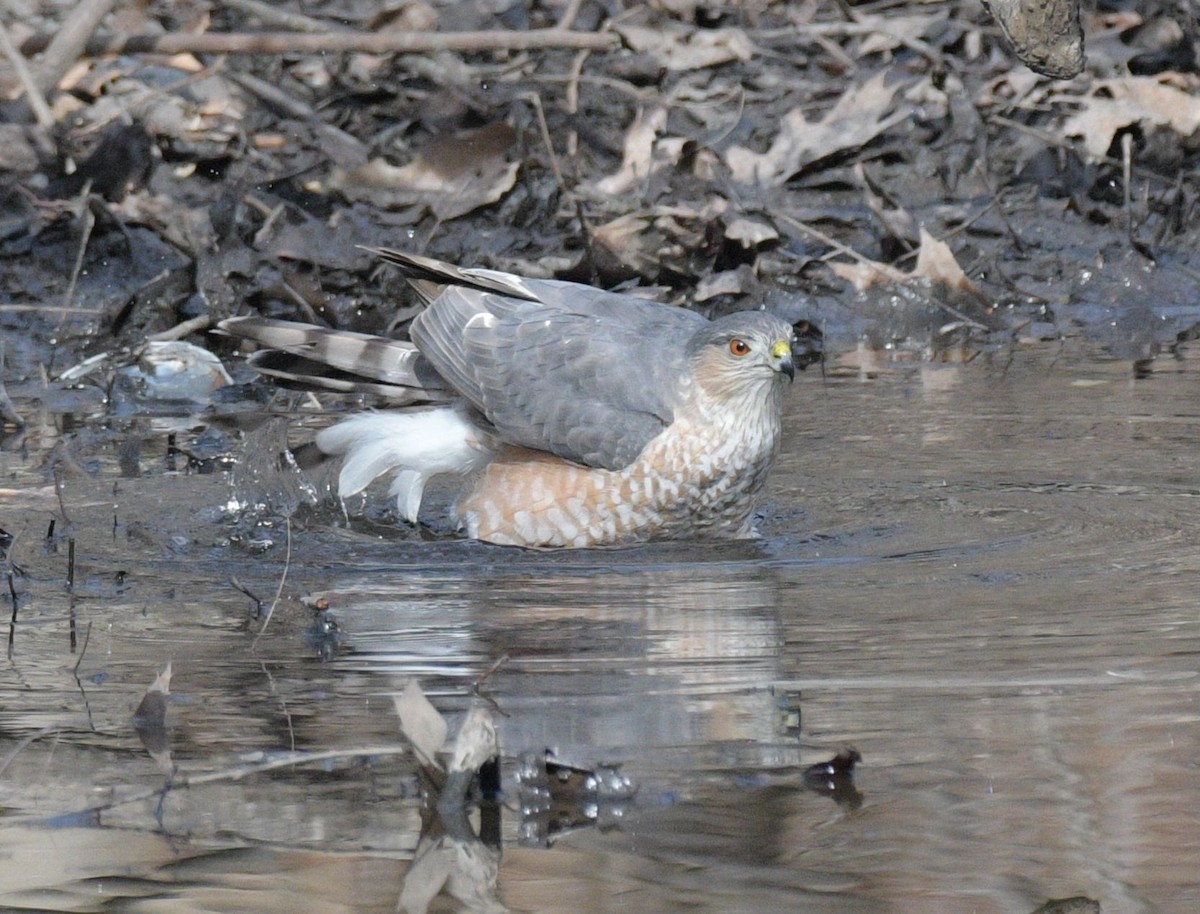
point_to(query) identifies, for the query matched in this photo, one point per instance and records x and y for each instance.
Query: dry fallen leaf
(679, 47)
(935, 263)
(861, 114)
(726, 282)
(150, 720)
(421, 723)
(638, 158)
(750, 232)
(895, 31)
(1119, 103)
(455, 174)
(627, 246)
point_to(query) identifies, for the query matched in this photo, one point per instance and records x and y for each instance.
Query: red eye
(739, 347)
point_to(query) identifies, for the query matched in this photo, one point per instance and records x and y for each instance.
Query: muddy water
(984, 578)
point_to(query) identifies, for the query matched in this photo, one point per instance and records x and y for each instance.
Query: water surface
(981, 577)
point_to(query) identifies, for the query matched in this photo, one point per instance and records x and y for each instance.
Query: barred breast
(693, 480)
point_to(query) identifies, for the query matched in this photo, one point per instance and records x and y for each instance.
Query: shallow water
(982, 577)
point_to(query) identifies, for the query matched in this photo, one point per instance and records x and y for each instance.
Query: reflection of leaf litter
(859, 116)
(678, 47)
(1119, 103)
(421, 723)
(150, 720)
(467, 869)
(454, 174)
(557, 796)
(935, 263)
(476, 740)
(835, 778)
(1076, 904)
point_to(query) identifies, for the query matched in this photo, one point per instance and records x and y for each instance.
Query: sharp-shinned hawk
(574, 416)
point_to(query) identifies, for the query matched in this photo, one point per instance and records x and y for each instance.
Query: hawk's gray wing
(585, 374)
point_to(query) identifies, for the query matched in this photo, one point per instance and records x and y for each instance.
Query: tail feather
(429, 277)
(339, 359)
(415, 445)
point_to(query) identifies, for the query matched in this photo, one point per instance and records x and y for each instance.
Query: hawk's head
(742, 353)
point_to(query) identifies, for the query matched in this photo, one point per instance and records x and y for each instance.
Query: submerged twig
(180, 781)
(87, 636)
(287, 715)
(85, 234)
(287, 564)
(22, 744)
(247, 592)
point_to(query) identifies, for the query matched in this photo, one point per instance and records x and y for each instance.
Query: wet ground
(981, 577)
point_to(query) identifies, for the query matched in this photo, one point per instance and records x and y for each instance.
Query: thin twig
(33, 95)
(355, 150)
(866, 261)
(340, 42)
(180, 330)
(287, 564)
(247, 592)
(1127, 180)
(287, 715)
(478, 684)
(87, 636)
(570, 14)
(42, 309)
(89, 222)
(20, 746)
(536, 100)
(572, 100)
(70, 40)
(280, 18)
(816, 233)
(8, 410)
(59, 484)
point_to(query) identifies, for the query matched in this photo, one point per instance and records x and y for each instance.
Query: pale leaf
(421, 723)
(476, 740)
(860, 115)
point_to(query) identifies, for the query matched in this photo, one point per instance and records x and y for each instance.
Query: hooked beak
(782, 353)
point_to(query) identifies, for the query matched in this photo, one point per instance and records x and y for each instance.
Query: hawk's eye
(739, 347)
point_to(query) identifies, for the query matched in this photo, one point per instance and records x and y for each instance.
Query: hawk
(572, 416)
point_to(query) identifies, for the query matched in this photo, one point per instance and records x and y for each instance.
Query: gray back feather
(586, 374)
